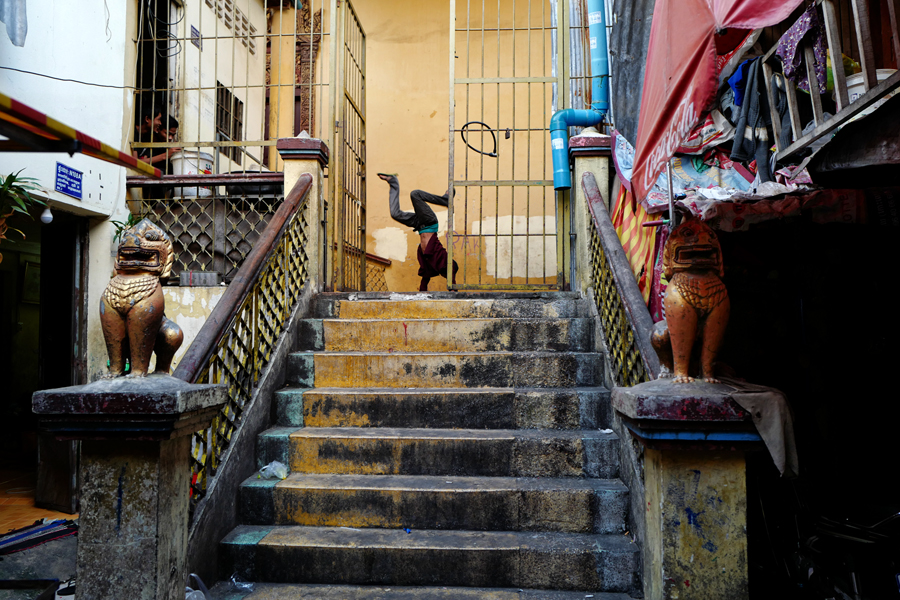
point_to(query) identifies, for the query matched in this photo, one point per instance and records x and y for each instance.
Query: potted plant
(15, 197)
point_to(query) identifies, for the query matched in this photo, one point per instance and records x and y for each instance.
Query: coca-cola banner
(681, 76)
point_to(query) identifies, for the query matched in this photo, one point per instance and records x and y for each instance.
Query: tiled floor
(17, 501)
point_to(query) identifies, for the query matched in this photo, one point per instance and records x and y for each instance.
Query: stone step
(467, 408)
(472, 452)
(437, 502)
(433, 306)
(341, 555)
(444, 370)
(446, 335)
(310, 591)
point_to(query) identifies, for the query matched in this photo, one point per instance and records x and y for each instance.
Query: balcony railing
(215, 231)
(836, 17)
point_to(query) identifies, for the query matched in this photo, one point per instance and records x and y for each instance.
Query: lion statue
(696, 302)
(132, 307)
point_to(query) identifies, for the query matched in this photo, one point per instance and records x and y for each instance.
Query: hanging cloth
(12, 12)
(809, 27)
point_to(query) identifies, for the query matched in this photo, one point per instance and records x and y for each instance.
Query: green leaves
(15, 194)
(128, 223)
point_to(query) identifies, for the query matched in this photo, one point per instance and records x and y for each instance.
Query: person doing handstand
(431, 253)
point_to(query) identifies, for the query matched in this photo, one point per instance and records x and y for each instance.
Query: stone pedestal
(695, 436)
(135, 477)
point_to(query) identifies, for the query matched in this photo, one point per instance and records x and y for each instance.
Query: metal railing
(215, 232)
(509, 72)
(235, 344)
(839, 19)
(349, 172)
(624, 317)
(234, 75)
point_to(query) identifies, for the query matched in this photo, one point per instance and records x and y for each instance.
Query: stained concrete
(428, 557)
(467, 408)
(437, 502)
(499, 453)
(276, 591)
(444, 370)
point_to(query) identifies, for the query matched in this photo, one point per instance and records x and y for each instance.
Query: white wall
(84, 40)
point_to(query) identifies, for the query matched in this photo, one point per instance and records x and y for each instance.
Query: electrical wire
(103, 85)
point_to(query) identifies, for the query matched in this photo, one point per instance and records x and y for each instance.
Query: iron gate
(348, 169)
(507, 76)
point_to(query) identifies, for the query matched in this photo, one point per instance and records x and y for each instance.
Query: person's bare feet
(386, 177)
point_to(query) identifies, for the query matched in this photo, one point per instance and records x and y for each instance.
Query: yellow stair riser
(418, 335)
(425, 309)
(498, 369)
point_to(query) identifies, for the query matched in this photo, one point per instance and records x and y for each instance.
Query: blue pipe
(563, 119)
(559, 141)
(599, 56)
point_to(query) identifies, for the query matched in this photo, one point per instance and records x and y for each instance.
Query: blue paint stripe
(693, 436)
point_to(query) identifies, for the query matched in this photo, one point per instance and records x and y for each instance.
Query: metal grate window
(229, 121)
(236, 75)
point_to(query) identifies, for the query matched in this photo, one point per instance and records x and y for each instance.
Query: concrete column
(694, 438)
(309, 155)
(591, 154)
(136, 478)
(696, 545)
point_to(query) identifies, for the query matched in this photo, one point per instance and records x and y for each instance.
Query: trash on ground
(239, 584)
(274, 470)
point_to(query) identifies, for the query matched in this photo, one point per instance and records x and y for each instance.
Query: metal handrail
(624, 316)
(235, 343)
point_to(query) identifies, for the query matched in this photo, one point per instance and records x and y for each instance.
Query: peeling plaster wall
(190, 307)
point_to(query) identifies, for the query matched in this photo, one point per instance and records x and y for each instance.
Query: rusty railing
(624, 317)
(237, 340)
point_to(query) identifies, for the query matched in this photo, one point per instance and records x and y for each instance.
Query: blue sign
(68, 181)
(195, 37)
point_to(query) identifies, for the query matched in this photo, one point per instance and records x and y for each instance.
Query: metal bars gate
(348, 171)
(507, 71)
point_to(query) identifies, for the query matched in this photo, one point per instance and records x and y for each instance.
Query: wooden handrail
(635, 308)
(216, 326)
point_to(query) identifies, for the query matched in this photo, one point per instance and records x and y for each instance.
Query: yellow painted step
(449, 308)
(453, 370)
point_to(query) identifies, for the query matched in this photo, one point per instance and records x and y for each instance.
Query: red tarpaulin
(681, 75)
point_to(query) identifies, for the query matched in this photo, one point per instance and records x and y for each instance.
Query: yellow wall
(407, 120)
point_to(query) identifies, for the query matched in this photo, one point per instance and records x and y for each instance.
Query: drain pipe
(571, 117)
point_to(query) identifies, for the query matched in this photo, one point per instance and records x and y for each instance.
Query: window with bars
(229, 121)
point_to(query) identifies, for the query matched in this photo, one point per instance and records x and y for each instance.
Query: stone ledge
(155, 407)
(662, 400)
(697, 416)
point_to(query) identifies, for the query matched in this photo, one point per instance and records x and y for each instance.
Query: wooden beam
(864, 38)
(895, 28)
(861, 103)
(793, 108)
(815, 95)
(833, 34)
(776, 119)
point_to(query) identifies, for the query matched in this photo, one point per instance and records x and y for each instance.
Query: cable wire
(462, 133)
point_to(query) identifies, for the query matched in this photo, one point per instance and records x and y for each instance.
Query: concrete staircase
(453, 444)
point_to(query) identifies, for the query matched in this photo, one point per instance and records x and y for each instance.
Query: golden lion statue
(131, 310)
(696, 302)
